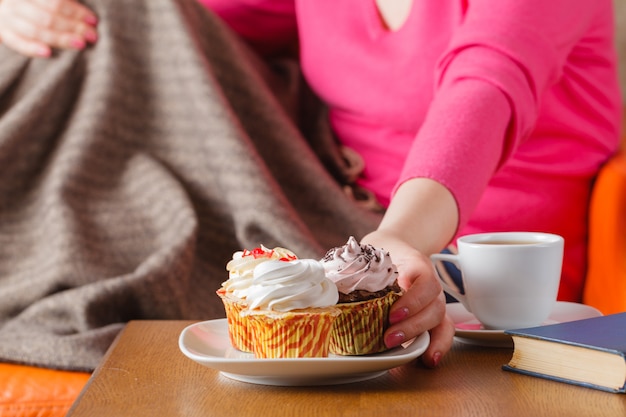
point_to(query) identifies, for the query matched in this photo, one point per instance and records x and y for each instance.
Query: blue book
(589, 352)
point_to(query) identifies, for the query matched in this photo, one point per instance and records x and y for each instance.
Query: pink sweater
(513, 105)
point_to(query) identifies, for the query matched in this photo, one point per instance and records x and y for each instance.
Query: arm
(422, 219)
(490, 84)
(422, 215)
(495, 73)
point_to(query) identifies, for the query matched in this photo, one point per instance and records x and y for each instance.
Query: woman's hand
(34, 27)
(421, 219)
(422, 307)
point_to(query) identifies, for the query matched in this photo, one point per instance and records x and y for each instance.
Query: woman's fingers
(441, 339)
(33, 27)
(69, 10)
(23, 45)
(429, 318)
(420, 309)
(423, 305)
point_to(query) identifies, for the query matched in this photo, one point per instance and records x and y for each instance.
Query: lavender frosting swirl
(355, 267)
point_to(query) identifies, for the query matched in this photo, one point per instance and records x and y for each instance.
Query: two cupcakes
(281, 306)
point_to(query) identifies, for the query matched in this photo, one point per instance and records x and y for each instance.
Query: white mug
(511, 279)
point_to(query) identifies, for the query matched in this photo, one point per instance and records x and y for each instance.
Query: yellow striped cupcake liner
(293, 334)
(360, 327)
(239, 331)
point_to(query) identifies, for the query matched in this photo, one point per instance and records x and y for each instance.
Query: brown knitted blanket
(131, 171)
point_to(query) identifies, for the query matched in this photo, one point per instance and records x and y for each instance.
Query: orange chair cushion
(27, 391)
(605, 285)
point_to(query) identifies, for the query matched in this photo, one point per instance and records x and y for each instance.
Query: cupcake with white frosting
(291, 309)
(233, 292)
(367, 282)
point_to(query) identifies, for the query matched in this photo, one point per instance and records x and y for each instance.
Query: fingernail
(91, 19)
(436, 359)
(398, 315)
(43, 52)
(394, 339)
(91, 36)
(77, 43)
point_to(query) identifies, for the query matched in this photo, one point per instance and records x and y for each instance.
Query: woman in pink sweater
(470, 116)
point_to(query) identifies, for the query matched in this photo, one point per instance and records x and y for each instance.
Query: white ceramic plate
(469, 330)
(208, 344)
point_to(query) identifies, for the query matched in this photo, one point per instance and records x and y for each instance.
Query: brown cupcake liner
(360, 327)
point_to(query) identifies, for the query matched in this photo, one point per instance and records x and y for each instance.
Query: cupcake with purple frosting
(367, 281)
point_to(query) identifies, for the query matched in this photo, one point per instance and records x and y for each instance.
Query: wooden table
(145, 374)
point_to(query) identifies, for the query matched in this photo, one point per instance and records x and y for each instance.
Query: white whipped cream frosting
(241, 267)
(355, 267)
(285, 286)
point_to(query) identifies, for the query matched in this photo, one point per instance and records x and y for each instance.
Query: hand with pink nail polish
(35, 27)
(422, 307)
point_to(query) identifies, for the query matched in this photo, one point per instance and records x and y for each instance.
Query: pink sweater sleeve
(268, 25)
(500, 62)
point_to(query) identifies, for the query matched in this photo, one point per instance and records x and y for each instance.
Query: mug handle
(438, 257)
